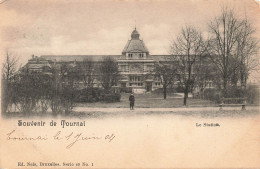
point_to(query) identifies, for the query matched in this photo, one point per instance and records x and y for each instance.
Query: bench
(229, 102)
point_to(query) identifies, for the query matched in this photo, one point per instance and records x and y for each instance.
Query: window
(135, 78)
(130, 55)
(135, 84)
(141, 55)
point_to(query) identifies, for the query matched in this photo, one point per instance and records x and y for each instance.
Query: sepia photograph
(130, 84)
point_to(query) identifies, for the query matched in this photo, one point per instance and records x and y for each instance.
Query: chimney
(32, 56)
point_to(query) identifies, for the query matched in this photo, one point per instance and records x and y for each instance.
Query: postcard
(129, 84)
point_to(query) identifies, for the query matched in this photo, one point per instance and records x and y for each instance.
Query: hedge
(91, 95)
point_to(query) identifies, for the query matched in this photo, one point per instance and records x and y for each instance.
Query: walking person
(132, 101)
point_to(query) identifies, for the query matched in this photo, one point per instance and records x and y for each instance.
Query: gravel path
(179, 109)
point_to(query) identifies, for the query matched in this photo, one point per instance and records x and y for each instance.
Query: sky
(77, 27)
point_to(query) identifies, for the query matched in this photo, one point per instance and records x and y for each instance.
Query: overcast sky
(71, 27)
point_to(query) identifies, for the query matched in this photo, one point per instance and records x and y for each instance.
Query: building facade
(135, 65)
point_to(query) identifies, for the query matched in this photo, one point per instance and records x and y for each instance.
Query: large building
(135, 64)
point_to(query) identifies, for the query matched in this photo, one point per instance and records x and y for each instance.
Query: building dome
(135, 34)
(135, 45)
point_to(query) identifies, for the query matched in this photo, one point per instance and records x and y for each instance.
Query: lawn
(150, 100)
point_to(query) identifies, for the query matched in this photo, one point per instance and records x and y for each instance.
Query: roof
(71, 58)
(97, 58)
(35, 66)
(37, 63)
(135, 45)
(158, 58)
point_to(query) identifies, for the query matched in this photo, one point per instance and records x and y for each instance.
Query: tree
(57, 77)
(224, 31)
(28, 91)
(232, 47)
(9, 69)
(109, 73)
(63, 96)
(166, 73)
(68, 91)
(186, 50)
(203, 73)
(44, 90)
(247, 49)
(87, 70)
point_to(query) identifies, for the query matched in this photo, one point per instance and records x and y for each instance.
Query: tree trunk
(225, 86)
(187, 86)
(164, 92)
(245, 81)
(186, 91)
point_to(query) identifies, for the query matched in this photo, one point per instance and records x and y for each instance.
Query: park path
(178, 109)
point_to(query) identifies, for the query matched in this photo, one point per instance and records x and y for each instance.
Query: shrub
(68, 98)
(26, 92)
(90, 95)
(252, 94)
(126, 89)
(180, 89)
(112, 97)
(5, 101)
(212, 95)
(234, 92)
